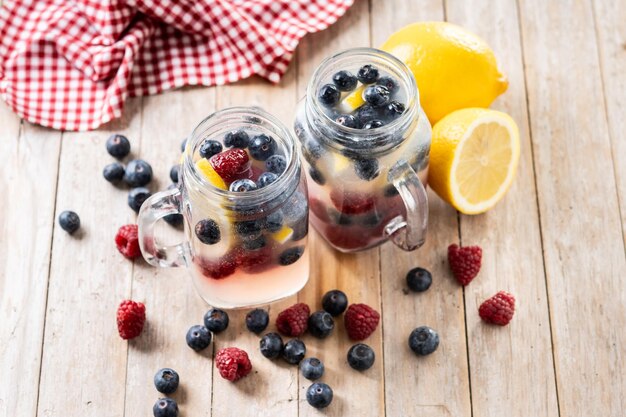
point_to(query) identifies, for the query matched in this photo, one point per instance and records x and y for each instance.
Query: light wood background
(557, 241)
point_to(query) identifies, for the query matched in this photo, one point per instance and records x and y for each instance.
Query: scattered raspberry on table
(127, 241)
(131, 317)
(498, 309)
(464, 262)
(294, 320)
(360, 320)
(233, 363)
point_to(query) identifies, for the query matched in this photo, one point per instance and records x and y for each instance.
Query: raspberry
(294, 320)
(350, 202)
(498, 309)
(230, 164)
(127, 241)
(361, 320)
(464, 262)
(253, 260)
(217, 269)
(130, 319)
(233, 363)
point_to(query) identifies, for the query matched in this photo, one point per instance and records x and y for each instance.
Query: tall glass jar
(366, 185)
(241, 248)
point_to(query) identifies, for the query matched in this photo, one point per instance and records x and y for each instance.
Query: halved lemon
(473, 158)
(204, 166)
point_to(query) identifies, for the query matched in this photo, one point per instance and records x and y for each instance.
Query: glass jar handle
(410, 233)
(153, 209)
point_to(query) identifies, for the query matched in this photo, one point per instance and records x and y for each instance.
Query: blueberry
(249, 229)
(335, 302)
(367, 74)
(174, 173)
(319, 395)
(291, 255)
(254, 244)
(208, 231)
(347, 120)
(419, 279)
(118, 146)
(237, 139)
(361, 357)
(376, 95)
(321, 324)
(394, 109)
(138, 173)
(69, 221)
(423, 341)
(312, 368)
(198, 337)
(165, 407)
(241, 186)
(317, 176)
(329, 95)
(216, 320)
(365, 113)
(373, 124)
(262, 147)
(271, 345)
(183, 144)
(276, 164)
(113, 172)
(166, 380)
(366, 169)
(312, 150)
(300, 229)
(209, 148)
(389, 83)
(294, 351)
(137, 196)
(174, 220)
(340, 218)
(257, 320)
(274, 221)
(344, 81)
(265, 179)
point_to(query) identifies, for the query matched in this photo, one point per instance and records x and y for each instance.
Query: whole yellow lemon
(453, 67)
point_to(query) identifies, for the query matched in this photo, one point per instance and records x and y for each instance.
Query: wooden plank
(518, 356)
(356, 274)
(28, 183)
(611, 36)
(172, 305)
(271, 388)
(580, 222)
(84, 359)
(421, 386)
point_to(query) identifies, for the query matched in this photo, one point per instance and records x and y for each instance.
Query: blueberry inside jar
(246, 209)
(362, 132)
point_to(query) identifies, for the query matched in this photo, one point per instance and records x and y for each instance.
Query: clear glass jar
(352, 212)
(261, 253)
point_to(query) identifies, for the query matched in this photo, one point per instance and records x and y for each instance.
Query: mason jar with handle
(365, 141)
(243, 198)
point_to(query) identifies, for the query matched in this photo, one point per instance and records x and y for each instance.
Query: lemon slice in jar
(352, 101)
(205, 167)
(283, 235)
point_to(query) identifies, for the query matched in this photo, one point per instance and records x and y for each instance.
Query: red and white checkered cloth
(71, 64)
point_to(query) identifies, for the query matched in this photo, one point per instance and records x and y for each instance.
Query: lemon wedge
(283, 235)
(473, 158)
(353, 101)
(204, 166)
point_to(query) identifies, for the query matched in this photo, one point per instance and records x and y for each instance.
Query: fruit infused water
(244, 200)
(365, 142)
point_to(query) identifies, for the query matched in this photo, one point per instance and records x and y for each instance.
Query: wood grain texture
(580, 221)
(271, 388)
(421, 385)
(84, 359)
(28, 184)
(511, 242)
(611, 38)
(358, 275)
(172, 305)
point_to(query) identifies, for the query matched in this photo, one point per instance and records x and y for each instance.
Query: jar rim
(242, 116)
(352, 136)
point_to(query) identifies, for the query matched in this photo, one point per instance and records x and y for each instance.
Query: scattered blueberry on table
(69, 221)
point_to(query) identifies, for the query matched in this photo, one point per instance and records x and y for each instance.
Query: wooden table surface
(556, 241)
